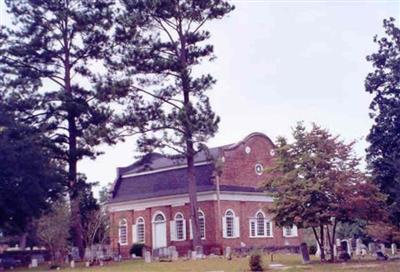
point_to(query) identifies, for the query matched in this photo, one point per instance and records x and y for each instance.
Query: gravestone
(372, 248)
(199, 252)
(193, 255)
(189, 254)
(72, 264)
(337, 242)
(318, 253)
(34, 263)
(304, 253)
(147, 257)
(228, 253)
(382, 248)
(88, 254)
(358, 246)
(394, 249)
(75, 253)
(174, 255)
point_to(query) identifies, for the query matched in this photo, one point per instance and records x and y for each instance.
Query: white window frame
(174, 227)
(235, 225)
(293, 230)
(135, 231)
(123, 223)
(266, 226)
(203, 217)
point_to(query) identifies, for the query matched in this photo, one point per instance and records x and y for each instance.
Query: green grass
(292, 263)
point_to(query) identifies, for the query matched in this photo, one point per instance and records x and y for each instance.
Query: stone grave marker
(382, 248)
(228, 253)
(147, 257)
(75, 253)
(304, 253)
(34, 263)
(394, 249)
(199, 252)
(72, 264)
(358, 247)
(371, 248)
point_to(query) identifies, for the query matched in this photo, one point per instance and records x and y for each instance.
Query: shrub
(312, 249)
(255, 262)
(137, 249)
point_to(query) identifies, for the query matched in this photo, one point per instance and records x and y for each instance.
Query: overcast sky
(279, 62)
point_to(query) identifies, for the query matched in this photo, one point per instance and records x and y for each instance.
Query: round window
(247, 149)
(259, 169)
(272, 152)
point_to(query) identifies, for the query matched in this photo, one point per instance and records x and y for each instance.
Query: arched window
(139, 231)
(123, 232)
(159, 218)
(180, 227)
(260, 226)
(230, 225)
(202, 225)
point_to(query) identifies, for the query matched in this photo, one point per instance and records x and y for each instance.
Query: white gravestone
(394, 249)
(382, 248)
(147, 257)
(34, 263)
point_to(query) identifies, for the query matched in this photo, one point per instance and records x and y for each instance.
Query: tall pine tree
(46, 64)
(383, 83)
(164, 41)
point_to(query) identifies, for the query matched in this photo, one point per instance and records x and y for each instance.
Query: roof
(156, 161)
(163, 183)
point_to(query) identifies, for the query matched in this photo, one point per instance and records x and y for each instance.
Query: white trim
(157, 213)
(144, 230)
(182, 199)
(164, 169)
(123, 223)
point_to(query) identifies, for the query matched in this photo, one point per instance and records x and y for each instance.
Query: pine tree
(383, 154)
(159, 43)
(46, 64)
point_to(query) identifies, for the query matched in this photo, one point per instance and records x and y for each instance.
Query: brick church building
(150, 202)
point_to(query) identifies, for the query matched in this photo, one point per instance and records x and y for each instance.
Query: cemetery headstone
(228, 253)
(199, 252)
(394, 249)
(34, 263)
(75, 253)
(194, 255)
(371, 248)
(72, 264)
(304, 253)
(358, 247)
(147, 257)
(382, 248)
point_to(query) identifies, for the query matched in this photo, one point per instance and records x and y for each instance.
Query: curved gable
(241, 159)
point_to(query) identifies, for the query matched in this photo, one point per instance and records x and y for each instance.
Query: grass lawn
(290, 263)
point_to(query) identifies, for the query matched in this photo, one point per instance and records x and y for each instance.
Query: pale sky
(279, 62)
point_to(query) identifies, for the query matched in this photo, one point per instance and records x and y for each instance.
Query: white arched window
(123, 232)
(230, 225)
(260, 226)
(138, 231)
(178, 228)
(202, 225)
(290, 231)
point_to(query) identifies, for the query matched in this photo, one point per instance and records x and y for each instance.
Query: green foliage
(316, 183)
(255, 262)
(29, 178)
(384, 137)
(137, 249)
(159, 45)
(45, 61)
(53, 228)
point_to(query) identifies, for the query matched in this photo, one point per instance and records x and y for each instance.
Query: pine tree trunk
(76, 224)
(322, 243)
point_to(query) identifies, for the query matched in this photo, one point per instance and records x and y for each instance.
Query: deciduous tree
(316, 183)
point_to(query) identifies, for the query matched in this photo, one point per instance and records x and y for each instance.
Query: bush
(312, 249)
(255, 262)
(137, 249)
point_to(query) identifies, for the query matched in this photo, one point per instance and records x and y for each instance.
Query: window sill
(255, 237)
(292, 236)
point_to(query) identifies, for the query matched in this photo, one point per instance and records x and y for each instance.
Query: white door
(159, 232)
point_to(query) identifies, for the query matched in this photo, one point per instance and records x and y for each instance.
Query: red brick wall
(214, 239)
(239, 167)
